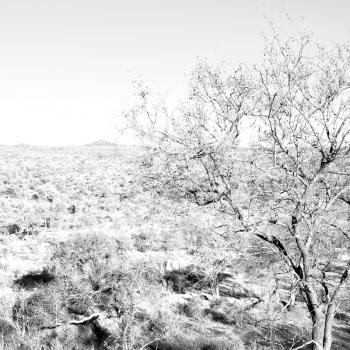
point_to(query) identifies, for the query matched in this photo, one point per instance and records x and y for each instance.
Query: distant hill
(21, 145)
(101, 143)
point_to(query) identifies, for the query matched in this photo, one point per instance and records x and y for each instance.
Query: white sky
(66, 66)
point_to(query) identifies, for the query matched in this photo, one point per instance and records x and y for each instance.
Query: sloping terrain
(52, 198)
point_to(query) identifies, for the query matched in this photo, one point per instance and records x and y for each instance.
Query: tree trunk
(327, 340)
(217, 291)
(322, 320)
(317, 317)
(317, 332)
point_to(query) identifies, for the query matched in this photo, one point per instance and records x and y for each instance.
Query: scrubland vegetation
(112, 258)
(194, 241)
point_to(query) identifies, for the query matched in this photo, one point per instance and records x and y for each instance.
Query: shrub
(42, 308)
(94, 274)
(190, 309)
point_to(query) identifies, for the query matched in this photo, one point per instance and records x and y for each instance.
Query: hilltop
(101, 143)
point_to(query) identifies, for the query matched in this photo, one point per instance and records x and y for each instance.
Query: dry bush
(92, 275)
(190, 309)
(40, 309)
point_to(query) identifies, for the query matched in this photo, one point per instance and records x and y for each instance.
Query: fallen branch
(308, 343)
(83, 321)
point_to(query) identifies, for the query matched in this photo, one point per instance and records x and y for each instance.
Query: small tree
(292, 189)
(304, 106)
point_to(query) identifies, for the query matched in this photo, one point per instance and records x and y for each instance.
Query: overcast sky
(66, 66)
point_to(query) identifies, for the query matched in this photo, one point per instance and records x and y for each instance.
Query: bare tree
(292, 190)
(304, 106)
(195, 145)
